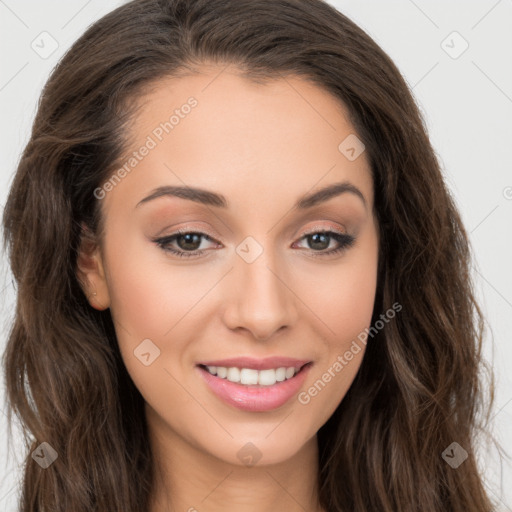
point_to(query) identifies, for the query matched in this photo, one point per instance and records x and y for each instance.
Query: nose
(259, 297)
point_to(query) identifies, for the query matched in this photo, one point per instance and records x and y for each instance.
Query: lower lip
(255, 398)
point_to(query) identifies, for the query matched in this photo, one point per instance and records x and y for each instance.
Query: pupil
(321, 238)
(188, 238)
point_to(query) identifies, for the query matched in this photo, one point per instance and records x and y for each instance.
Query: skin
(262, 146)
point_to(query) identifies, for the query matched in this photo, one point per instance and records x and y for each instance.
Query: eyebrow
(209, 198)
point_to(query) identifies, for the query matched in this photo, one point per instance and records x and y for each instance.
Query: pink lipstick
(255, 385)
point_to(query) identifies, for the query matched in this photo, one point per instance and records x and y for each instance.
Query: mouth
(253, 390)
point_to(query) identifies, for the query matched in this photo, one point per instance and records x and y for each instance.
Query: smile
(254, 390)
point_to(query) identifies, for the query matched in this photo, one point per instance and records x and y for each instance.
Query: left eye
(189, 242)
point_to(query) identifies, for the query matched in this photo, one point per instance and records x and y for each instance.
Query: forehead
(217, 130)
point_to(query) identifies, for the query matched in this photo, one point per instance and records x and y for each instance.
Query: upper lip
(257, 364)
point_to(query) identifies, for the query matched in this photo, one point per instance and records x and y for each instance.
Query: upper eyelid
(207, 234)
(316, 229)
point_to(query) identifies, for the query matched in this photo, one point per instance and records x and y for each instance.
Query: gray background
(466, 98)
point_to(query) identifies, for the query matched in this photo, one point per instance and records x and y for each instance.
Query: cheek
(149, 301)
(149, 295)
(345, 319)
(345, 303)
(342, 295)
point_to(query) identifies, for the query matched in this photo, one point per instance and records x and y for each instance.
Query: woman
(254, 369)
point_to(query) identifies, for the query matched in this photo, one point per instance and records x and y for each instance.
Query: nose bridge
(261, 301)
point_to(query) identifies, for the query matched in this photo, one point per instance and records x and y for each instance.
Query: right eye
(186, 239)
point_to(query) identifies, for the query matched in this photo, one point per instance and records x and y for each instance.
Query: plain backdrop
(457, 58)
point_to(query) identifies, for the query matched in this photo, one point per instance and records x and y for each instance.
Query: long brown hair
(419, 387)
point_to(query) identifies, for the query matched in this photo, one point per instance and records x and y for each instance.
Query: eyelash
(345, 241)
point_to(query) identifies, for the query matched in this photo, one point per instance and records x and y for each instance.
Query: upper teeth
(251, 376)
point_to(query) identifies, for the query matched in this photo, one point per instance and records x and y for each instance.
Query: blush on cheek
(157, 302)
(346, 306)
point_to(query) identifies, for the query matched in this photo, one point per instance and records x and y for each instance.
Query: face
(263, 266)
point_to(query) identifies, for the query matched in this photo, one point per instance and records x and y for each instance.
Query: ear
(91, 271)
